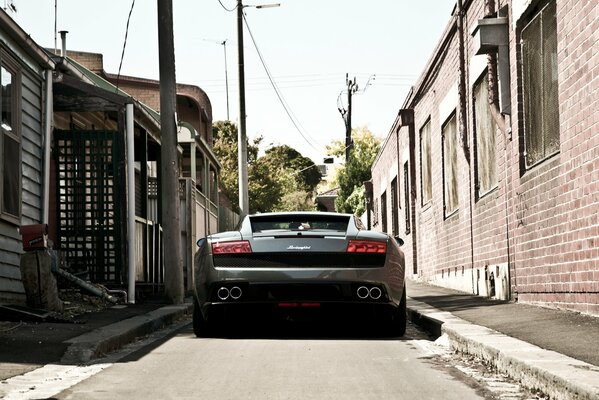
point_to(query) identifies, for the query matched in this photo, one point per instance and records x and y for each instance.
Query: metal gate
(89, 202)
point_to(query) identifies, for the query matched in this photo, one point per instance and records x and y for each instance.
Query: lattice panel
(88, 202)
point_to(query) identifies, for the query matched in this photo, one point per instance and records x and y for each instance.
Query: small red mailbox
(35, 237)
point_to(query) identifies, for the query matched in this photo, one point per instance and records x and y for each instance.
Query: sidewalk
(25, 346)
(551, 350)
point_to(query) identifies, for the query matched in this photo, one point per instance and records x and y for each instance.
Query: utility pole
(224, 43)
(242, 165)
(352, 87)
(169, 170)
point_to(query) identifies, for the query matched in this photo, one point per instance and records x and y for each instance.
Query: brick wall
(542, 222)
(557, 203)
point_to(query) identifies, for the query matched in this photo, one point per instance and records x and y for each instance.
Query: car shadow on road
(317, 326)
(333, 330)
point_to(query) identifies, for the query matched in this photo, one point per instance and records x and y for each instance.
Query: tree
(305, 172)
(264, 187)
(353, 174)
(281, 180)
(225, 148)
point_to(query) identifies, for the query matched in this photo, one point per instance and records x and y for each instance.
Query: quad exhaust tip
(223, 293)
(364, 292)
(235, 292)
(375, 293)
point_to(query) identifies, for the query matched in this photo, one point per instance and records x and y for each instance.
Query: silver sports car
(299, 263)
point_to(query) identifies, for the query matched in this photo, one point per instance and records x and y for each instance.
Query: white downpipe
(47, 146)
(130, 203)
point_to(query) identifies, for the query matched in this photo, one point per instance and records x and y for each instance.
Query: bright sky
(307, 45)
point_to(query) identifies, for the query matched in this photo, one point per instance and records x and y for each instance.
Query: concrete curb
(555, 374)
(108, 338)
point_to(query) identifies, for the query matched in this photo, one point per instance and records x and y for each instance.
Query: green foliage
(265, 189)
(353, 174)
(281, 180)
(307, 175)
(225, 136)
(357, 200)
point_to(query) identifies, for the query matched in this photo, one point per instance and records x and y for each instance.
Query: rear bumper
(290, 284)
(337, 297)
(327, 312)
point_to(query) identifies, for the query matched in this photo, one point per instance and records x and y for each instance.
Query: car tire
(200, 325)
(399, 317)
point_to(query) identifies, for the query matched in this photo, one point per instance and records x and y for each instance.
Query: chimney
(63, 38)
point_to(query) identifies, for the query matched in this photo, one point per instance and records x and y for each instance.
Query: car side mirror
(201, 242)
(399, 241)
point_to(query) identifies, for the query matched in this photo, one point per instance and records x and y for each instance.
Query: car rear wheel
(399, 317)
(200, 325)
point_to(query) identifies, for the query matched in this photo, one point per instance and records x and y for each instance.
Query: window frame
(480, 192)
(449, 212)
(384, 211)
(406, 174)
(425, 200)
(9, 63)
(527, 129)
(375, 213)
(394, 207)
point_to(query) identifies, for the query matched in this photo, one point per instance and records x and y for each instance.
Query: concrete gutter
(111, 337)
(557, 375)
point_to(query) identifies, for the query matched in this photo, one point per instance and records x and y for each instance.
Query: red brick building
(490, 171)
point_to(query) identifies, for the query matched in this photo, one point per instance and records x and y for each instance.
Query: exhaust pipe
(362, 292)
(375, 293)
(235, 292)
(223, 293)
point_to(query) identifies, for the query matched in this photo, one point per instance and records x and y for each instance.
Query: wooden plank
(7, 232)
(31, 98)
(11, 257)
(31, 210)
(12, 298)
(11, 271)
(31, 123)
(31, 160)
(33, 83)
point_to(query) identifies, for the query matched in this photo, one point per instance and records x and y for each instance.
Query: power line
(124, 45)
(226, 9)
(277, 91)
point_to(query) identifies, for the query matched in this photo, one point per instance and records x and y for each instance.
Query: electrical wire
(124, 45)
(278, 93)
(226, 9)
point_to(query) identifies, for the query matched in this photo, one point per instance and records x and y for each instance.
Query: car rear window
(265, 224)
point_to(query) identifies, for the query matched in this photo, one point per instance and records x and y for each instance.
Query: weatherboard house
(200, 210)
(82, 155)
(490, 172)
(26, 82)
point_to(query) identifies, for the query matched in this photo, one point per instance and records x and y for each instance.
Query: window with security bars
(425, 164)
(450, 166)
(10, 140)
(540, 90)
(394, 208)
(485, 128)
(384, 212)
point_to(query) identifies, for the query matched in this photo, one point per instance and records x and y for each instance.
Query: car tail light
(366, 246)
(236, 247)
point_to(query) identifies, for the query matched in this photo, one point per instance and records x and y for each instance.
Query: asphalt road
(312, 363)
